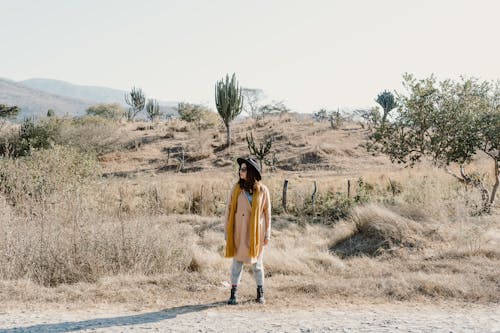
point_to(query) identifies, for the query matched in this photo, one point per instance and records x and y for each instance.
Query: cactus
(229, 102)
(136, 100)
(260, 152)
(387, 102)
(153, 109)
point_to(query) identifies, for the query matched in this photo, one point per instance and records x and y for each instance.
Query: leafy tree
(7, 112)
(321, 115)
(50, 113)
(388, 102)
(370, 116)
(153, 109)
(109, 111)
(229, 102)
(136, 100)
(200, 115)
(449, 122)
(274, 108)
(252, 99)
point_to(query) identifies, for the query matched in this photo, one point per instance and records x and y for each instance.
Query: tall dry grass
(411, 234)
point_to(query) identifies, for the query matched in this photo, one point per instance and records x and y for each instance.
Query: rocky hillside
(300, 145)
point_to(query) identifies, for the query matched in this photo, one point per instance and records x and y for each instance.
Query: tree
(153, 109)
(370, 117)
(321, 115)
(448, 122)
(388, 102)
(252, 98)
(200, 115)
(8, 112)
(229, 102)
(274, 108)
(109, 111)
(136, 100)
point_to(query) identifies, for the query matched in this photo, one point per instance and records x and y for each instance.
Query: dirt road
(217, 317)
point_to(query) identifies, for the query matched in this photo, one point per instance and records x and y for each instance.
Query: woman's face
(243, 171)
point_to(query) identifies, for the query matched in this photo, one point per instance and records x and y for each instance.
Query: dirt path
(218, 317)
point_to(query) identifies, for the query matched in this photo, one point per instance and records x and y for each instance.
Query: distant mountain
(36, 103)
(89, 93)
(93, 94)
(36, 96)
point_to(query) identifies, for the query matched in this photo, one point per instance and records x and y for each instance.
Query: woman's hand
(266, 241)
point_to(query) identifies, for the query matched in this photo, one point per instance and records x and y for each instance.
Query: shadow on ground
(144, 318)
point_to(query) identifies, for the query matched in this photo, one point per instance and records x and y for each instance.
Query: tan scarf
(254, 223)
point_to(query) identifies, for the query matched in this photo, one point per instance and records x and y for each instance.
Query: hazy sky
(311, 54)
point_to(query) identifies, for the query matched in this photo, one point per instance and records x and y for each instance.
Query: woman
(248, 226)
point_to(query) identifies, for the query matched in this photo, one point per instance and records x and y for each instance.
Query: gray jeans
(237, 269)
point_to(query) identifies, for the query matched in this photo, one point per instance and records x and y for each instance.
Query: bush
(334, 206)
(38, 176)
(92, 134)
(330, 207)
(377, 230)
(199, 115)
(9, 141)
(70, 250)
(109, 111)
(36, 135)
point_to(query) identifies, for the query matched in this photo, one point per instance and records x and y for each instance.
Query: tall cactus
(136, 100)
(387, 102)
(228, 101)
(153, 109)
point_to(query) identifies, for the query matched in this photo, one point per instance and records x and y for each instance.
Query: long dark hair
(249, 183)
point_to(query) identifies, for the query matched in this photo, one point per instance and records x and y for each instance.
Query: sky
(310, 54)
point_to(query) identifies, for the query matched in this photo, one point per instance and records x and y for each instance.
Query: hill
(94, 94)
(89, 93)
(36, 96)
(36, 102)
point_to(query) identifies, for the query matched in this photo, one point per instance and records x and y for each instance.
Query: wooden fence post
(285, 188)
(313, 197)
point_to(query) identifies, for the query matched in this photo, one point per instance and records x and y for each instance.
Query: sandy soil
(218, 317)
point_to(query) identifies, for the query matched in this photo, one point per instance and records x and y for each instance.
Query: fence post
(348, 188)
(285, 188)
(313, 197)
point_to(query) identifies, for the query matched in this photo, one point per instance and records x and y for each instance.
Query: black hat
(251, 162)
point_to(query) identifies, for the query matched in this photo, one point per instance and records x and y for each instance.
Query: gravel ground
(218, 317)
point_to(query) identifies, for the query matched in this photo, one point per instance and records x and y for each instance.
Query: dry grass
(146, 230)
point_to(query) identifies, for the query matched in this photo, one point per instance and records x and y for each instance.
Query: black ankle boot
(260, 295)
(232, 299)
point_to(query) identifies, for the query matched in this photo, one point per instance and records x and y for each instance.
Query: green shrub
(201, 116)
(329, 207)
(36, 135)
(110, 111)
(363, 192)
